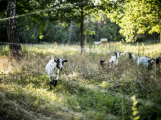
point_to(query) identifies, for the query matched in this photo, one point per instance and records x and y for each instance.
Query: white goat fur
(133, 57)
(144, 61)
(123, 54)
(113, 61)
(117, 54)
(51, 69)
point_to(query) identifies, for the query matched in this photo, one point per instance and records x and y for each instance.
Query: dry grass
(83, 82)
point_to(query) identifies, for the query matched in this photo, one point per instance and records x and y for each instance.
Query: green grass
(84, 90)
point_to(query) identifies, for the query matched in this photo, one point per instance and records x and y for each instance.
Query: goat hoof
(50, 88)
(55, 83)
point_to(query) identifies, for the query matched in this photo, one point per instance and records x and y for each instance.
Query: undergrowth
(84, 90)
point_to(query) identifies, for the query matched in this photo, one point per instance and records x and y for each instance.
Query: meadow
(84, 90)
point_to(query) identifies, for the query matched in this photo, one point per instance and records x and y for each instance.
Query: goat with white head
(123, 54)
(131, 56)
(146, 62)
(114, 59)
(117, 54)
(52, 69)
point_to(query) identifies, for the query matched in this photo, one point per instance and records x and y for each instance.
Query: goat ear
(149, 61)
(52, 57)
(65, 60)
(57, 57)
(114, 52)
(102, 61)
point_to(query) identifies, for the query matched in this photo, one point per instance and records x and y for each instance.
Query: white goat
(117, 54)
(131, 56)
(52, 69)
(146, 62)
(113, 61)
(123, 54)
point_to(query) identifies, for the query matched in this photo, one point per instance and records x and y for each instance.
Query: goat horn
(57, 57)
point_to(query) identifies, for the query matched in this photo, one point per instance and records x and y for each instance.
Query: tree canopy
(47, 20)
(136, 17)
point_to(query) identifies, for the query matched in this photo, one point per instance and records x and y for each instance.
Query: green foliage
(110, 30)
(105, 84)
(4, 50)
(26, 32)
(89, 32)
(134, 108)
(60, 33)
(3, 31)
(136, 17)
(44, 17)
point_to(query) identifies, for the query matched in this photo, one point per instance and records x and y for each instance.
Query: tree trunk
(36, 32)
(99, 25)
(82, 34)
(70, 33)
(86, 39)
(160, 30)
(13, 38)
(145, 38)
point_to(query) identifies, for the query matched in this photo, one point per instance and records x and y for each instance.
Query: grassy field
(84, 90)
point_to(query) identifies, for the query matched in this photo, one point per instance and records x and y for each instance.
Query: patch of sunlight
(43, 93)
(5, 71)
(73, 75)
(105, 84)
(5, 66)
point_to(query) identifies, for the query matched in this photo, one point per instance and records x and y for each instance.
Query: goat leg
(50, 85)
(55, 83)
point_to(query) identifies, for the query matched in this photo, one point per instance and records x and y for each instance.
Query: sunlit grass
(83, 86)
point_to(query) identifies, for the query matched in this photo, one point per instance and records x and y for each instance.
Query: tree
(110, 30)
(152, 13)
(77, 10)
(81, 9)
(21, 7)
(137, 17)
(70, 33)
(13, 38)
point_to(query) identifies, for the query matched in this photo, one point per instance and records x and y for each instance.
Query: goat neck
(117, 54)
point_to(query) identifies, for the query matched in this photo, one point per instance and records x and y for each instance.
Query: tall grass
(84, 87)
